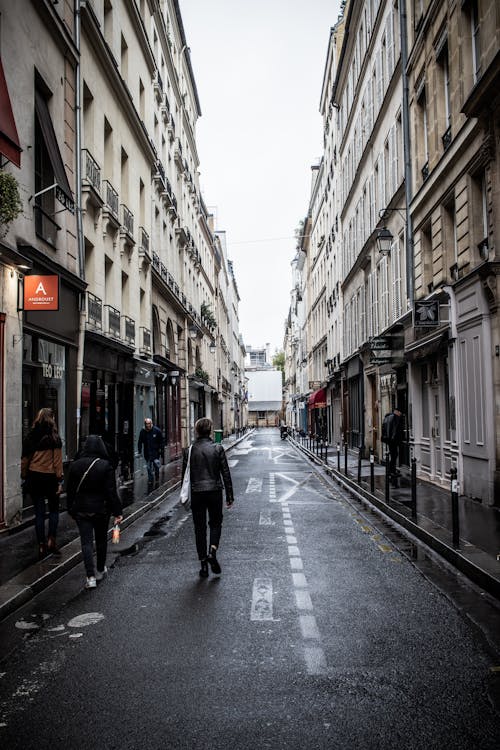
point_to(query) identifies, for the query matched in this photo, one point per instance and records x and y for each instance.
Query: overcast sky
(258, 67)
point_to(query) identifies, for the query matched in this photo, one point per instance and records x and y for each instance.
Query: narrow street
(319, 633)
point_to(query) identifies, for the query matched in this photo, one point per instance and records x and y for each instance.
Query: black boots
(212, 560)
(204, 569)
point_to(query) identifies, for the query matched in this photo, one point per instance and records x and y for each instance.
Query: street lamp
(384, 241)
(193, 331)
(212, 347)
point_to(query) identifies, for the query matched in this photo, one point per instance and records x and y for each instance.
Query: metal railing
(111, 197)
(129, 329)
(127, 219)
(113, 320)
(94, 310)
(92, 170)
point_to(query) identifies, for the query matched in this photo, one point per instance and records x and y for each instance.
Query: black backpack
(386, 428)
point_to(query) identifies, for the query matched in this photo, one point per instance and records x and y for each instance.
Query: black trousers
(88, 526)
(393, 450)
(201, 504)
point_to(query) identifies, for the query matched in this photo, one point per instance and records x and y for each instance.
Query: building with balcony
(452, 349)
(98, 126)
(39, 338)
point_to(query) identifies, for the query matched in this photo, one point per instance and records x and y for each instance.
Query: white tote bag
(186, 484)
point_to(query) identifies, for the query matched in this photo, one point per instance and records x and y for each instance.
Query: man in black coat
(151, 440)
(392, 435)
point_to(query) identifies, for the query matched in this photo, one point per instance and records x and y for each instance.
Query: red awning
(317, 400)
(9, 140)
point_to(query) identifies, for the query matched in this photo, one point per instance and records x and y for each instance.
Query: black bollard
(454, 508)
(359, 464)
(372, 471)
(414, 489)
(345, 460)
(387, 459)
(338, 456)
(326, 452)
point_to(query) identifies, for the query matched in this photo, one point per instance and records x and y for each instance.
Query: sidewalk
(22, 576)
(478, 554)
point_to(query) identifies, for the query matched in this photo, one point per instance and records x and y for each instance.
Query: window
(475, 41)
(397, 299)
(449, 238)
(51, 181)
(422, 133)
(124, 59)
(108, 22)
(443, 100)
(478, 214)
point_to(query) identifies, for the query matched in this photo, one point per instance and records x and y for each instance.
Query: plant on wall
(10, 201)
(208, 316)
(201, 375)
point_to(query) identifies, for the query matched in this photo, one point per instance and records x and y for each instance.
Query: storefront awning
(317, 400)
(9, 140)
(63, 190)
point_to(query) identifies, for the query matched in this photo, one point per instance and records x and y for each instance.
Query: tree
(279, 362)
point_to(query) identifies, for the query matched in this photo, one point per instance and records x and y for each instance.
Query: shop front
(317, 414)
(49, 363)
(168, 404)
(353, 408)
(108, 398)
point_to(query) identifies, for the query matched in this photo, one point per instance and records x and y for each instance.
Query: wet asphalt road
(318, 634)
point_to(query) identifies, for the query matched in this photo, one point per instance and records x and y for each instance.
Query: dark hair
(203, 427)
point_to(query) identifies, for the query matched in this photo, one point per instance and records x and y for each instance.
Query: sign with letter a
(41, 292)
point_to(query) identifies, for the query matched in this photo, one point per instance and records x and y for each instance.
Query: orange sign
(41, 292)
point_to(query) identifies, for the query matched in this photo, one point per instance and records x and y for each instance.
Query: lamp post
(384, 241)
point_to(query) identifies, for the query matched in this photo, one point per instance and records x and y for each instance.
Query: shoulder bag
(185, 496)
(81, 480)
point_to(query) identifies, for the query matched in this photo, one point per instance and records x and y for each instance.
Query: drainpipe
(407, 152)
(456, 381)
(79, 230)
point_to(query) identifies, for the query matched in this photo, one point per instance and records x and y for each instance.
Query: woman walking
(42, 476)
(209, 473)
(92, 498)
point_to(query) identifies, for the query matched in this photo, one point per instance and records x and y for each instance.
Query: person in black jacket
(91, 499)
(151, 440)
(209, 473)
(392, 435)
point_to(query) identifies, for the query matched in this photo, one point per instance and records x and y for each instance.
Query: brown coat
(48, 461)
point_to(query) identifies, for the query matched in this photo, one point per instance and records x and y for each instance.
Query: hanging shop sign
(41, 292)
(426, 313)
(379, 343)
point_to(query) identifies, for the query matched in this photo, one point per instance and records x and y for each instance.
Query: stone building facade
(410, 112)
(105, 155)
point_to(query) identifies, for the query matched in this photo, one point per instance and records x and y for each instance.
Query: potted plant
(10, 200)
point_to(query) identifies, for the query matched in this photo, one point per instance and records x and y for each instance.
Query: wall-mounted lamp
(193, 331)
(212, 347)
(384, 241)
(174, 374)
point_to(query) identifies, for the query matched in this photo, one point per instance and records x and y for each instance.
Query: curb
(39, 576)
(475, 564)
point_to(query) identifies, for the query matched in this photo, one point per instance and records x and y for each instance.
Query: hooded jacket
(209, 468)
(96, 491)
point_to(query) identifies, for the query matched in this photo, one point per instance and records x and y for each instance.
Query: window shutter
(362, 314)
(390, 42)
(397, 302)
